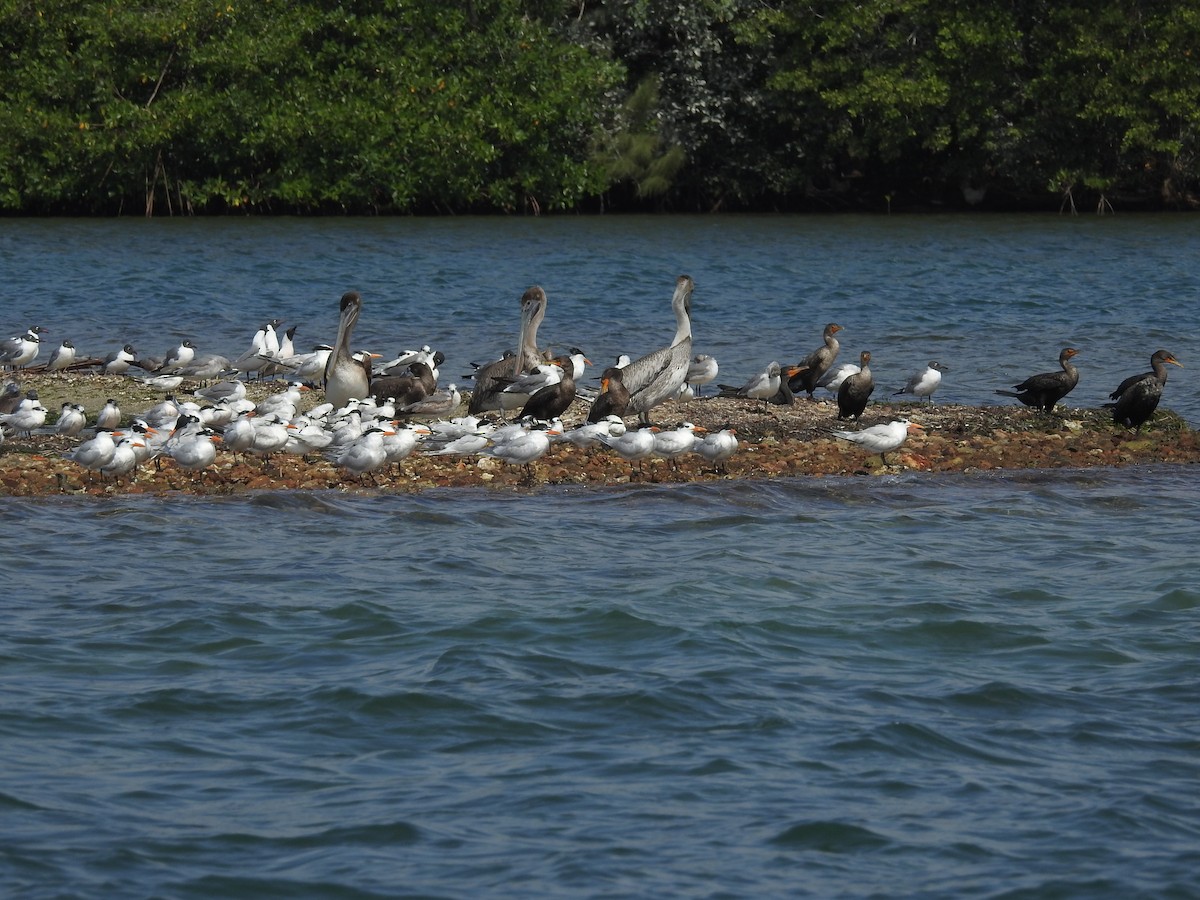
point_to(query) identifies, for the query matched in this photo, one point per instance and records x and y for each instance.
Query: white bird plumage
(881, 439)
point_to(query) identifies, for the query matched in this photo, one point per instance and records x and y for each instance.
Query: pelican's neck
(682, 304)
(533, 310)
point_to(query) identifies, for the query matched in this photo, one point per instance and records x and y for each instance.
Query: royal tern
(96, 453)
(1138, 395)
(856, 390)
(589, 434)
(125, 457)
(522, 449)
(718, 447)
(307, 436)
(463, 445)
(283, 403)
(192, 446)
(400, 442)
(656, 377)
(238, 435)
(363, 455)
(162, 415)
(634, 445)
(881, 439)
(270, 435)
(672, 443)
(922, 384)
(1045, 390)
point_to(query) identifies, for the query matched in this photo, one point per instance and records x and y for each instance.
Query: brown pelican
(1046, 389)
(488, 379)
(657, 377)
(346, 378)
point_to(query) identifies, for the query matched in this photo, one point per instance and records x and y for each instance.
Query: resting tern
(922, 384)
(881, 439)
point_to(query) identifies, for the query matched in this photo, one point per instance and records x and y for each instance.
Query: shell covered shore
(774, 442)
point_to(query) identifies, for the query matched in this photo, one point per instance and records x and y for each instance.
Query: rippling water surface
(931, 686)
(904, 686)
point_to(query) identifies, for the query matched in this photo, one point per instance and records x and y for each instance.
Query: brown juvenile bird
(816, 363)
(1044, 390)
(418, 384)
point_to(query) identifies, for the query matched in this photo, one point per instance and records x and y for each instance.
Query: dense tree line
(427, 106)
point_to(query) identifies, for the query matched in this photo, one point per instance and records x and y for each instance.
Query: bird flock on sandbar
(378, 413)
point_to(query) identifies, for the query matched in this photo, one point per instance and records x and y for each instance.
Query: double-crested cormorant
(816, 363)
(488, 379)
(922, 384)
(613, 399)
(881, 439)
(346, 378)
(1138, 395)
(1044, 390)
(657, 377)
(854, 392)
(552, 401)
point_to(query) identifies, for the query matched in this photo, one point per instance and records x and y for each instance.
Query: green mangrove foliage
(414, 106)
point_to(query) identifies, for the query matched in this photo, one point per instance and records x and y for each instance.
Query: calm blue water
(905, 686)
